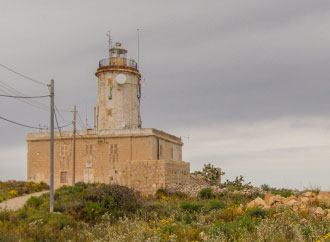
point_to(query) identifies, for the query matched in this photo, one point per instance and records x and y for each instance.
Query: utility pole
(51, 200)
(138, 48)
(74, 146)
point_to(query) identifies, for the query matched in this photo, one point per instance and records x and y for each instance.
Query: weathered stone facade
(144, 159)
(118, 150)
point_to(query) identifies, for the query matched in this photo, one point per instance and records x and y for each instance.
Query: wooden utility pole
(52, 110)
(74, 146)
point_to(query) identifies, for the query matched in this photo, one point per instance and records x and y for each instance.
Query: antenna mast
(109, 41)
(138, 48)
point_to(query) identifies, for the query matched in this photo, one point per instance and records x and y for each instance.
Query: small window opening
(64, 177)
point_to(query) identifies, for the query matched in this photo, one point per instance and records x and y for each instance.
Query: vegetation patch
(11, 189)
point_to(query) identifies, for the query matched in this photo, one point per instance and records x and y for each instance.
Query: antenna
(109, 40)
(138, 48)
(86, 117)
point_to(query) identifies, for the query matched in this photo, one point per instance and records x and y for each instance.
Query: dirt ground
(18, 202)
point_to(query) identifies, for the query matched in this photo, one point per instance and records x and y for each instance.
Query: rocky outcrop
(306, 201)
(323, 197)
(256, 203)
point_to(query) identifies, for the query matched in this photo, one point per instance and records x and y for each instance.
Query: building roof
(94, 134)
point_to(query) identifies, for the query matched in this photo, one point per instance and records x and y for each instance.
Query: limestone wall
(100, 156)
(147, 176)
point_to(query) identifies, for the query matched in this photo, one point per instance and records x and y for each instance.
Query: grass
(98, 212)
(11, 189)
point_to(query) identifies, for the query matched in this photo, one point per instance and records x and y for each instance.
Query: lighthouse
(118, 92)
(118, 150)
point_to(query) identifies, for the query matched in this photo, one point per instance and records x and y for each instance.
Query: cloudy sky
(245, 83)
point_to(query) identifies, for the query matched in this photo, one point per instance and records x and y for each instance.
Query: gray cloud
(204, 63)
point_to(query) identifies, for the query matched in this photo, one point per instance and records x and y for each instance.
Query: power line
(24, 76)
(31, 102)
(24, 125)
(63, 126)
(81, 120)
(59, 128)
(1, 95)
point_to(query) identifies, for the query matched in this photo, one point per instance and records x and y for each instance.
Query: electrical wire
(31, 102)
(59, 128)
(1, 95)
(20, 124)
(85, 127)
(21, 75)
(59, 114)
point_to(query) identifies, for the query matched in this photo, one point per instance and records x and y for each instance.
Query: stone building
(118, 150)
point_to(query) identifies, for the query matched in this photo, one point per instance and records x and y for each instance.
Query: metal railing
(128, 62)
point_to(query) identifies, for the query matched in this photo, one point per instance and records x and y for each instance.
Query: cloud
(242, 68)
(272, 149)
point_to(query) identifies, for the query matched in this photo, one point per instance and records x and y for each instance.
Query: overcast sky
(245, 83)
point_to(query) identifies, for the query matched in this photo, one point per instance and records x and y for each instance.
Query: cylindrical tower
(119, 92)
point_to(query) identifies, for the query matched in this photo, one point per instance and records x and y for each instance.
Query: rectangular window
(113, 152)
(64, 177)
(63, 150)
(109, 112)
(172, 153)
(89, 149)
(115, 149)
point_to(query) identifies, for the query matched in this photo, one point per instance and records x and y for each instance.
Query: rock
(267, 207)
(260, 202)
(307, 194)
(327, 217)
(303, 220)
(294, 205)
(324, 197)
(319, 212)
(240, 209)
(267, 197)
(289, 199)
(307, 198)
(276, 200)
(203, 236)
(256, 203)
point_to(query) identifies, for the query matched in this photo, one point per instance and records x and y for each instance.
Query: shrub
(34, 201)
(210, 173)
(206, 193)
(216, 204)
(188, 218)
(191, 206)
(169, 195)
(237, 184)
(282, 192)
(265, 187)
(90, 201)
(257, 213)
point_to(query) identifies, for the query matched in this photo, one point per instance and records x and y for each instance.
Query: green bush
(34, 202)
(257, 213)
(265, 187)
(188, 218)
(206, 193)
(161, 193)
(191, 206)
(90, 201)
(216, 204)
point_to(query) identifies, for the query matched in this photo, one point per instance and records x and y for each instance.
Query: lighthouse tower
(118, 93)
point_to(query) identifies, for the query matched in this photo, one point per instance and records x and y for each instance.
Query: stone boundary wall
(147, 176)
